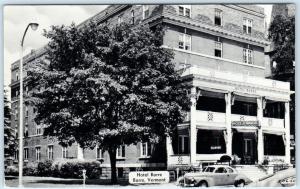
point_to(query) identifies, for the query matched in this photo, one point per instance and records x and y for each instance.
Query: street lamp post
(34, 27)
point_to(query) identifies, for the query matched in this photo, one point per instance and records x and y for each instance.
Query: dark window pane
(186, 145)
(187, 13)
(244, 28)
(218, 53)
(218, 21)
(181, 11)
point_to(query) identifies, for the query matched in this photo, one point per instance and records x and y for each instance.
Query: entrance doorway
(248, 150)
(244, 145)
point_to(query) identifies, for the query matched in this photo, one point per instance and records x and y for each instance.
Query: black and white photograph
(151, 95)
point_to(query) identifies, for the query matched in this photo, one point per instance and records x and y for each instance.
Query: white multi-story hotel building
(235, 111)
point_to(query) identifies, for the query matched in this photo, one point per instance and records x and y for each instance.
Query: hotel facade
(235, 109)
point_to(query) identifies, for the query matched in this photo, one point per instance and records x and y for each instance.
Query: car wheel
(203, 184)
(239, 183)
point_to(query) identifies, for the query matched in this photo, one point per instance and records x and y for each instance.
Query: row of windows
(146, 14)
(145, 149)
(50, 154)
(185, 10)
(185, 42)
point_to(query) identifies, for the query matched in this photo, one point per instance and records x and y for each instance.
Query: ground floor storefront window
(210, 142)
(274, 145)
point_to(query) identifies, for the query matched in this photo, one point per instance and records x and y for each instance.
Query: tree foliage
(9, 134)
(282, 33)
(108, 86)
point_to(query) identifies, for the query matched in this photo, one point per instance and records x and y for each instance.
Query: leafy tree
(282, 33)
(9, 135)
(108, 85)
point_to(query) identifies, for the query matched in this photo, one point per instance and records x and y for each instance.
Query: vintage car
(215, 175)
(283, 178)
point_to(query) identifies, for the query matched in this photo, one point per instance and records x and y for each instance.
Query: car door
(231, 175)
(220, 176)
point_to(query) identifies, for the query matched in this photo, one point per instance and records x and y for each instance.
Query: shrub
(265, 161)
(73, 169)
(11, 171)
(30, 171)
(45, 168)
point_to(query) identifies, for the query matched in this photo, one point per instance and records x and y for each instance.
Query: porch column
(193, 129)
(260, 137)
(79, 152)
(169, 145)
(228, 124)
(287, 133)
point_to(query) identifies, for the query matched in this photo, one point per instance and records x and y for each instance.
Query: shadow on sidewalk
(78, 182)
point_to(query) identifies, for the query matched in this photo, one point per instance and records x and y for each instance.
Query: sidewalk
(45, 182)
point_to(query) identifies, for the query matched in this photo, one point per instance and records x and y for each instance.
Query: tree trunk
(112, 156)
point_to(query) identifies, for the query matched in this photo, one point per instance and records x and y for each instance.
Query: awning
(274, 132)
(213, 90)
(246, 94)
(245, 129)
(276, 99)
(210, 128)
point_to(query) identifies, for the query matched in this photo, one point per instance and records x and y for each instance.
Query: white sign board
(149, 177)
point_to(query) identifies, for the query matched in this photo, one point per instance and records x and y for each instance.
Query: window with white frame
(26, 130)
(247, 25)
(121, 152)
(25, 153)
(38, 153)
(132, 17)
(248, 55)
(184, 10)
(218, 49)
(185, 41)
(17, 76)
(64, 152)
(218, 17)
(146, 12)
(99, 153)
(145, 149)
(16, 113)
(16, 154)
(26, 111)
(26, 90)
(50, 152)
(38, 129)
(183, 144)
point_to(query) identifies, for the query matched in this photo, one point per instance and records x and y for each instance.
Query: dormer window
(218, 17)
(146, 12)
(185, 10)
(247, 25)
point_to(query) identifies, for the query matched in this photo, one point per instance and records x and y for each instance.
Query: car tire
(239, 183)
(202, 184)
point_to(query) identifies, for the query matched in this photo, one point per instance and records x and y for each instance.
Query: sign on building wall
(245, 123)
(149, 177)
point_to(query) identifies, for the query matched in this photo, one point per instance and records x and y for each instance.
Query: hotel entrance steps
(253, 172)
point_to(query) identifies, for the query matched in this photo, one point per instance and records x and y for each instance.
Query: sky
(17, 17)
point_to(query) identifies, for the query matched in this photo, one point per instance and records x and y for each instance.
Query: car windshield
(209, 169)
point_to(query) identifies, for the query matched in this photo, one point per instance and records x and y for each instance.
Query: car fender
(209, 180)
(242, 177)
